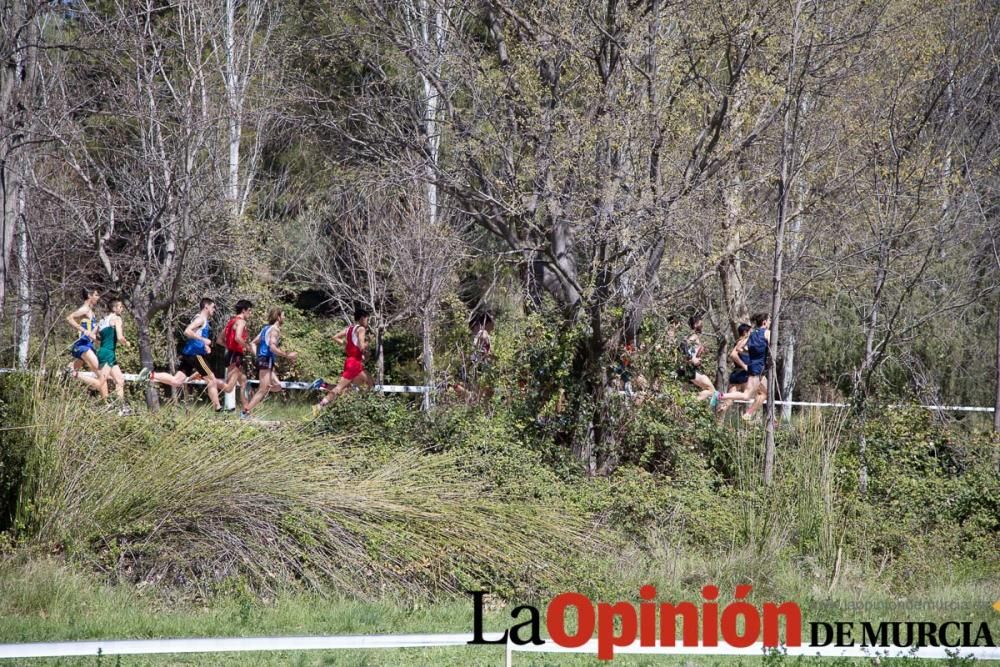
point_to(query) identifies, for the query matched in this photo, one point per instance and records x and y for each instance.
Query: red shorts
(352, 368)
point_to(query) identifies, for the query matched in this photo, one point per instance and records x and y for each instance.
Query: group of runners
(750, 357)
(95, 350)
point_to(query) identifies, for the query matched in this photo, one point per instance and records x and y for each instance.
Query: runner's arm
(75, 317)
(240, 332)
(735, 354)
(695, 359)
(120, 333)
(362, 343)
(253, 344)
(340, 337)
(273, 344)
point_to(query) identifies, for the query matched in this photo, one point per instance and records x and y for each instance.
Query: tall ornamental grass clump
(184, 499)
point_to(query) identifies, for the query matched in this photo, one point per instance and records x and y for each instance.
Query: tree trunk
(8, 223)
(146, 354)
(771, 378)
(730, 275)
(793, 98)
(176, 393)
(722, 363)
(779, 253)
(996, 402)
(23, 286)
(379, 356)
(594, 450)
(426, 331)
(17, 92)
(234, 100)
(788, 375)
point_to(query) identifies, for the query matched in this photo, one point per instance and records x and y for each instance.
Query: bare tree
(151, 203)
(349, 248)
(426, 256)
(20, 39)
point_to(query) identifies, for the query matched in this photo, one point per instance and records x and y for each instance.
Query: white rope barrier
(385, 388)
(926, 652)
(227, 645)
(363, 642)
(423, 389)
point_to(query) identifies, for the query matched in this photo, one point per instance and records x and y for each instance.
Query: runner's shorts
(739, 376)
(352, 368)
(234, 359)
(80, 347)
(192, 364)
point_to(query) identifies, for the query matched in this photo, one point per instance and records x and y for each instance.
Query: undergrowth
(178, 499)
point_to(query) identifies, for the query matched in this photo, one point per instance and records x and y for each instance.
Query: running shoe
(143, 375)
(318, 383)
(244, 414)
(714, 401)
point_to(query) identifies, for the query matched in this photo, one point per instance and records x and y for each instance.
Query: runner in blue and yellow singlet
(84, 323)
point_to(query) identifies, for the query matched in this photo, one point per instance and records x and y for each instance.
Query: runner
(265, 348)
(83, 322)
(353, 338)
(234, 339)
(690, 367)
(482, 328)
(741, 359)
(110, 332)
(193, 363)
(757, 348)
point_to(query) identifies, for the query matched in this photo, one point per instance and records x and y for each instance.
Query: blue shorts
(265, 363)
(80, 347)
(739, 376)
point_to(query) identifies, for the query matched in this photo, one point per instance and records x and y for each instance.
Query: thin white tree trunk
(788, 147)
(23, 285)
(234, 100)
(433, 33)
(234, 123)
(787, 374)
(428, 356)
(379, 356)
(7, 225)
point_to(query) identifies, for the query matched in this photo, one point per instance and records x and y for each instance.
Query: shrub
(16, 412)
(934, 494)
(189, 501)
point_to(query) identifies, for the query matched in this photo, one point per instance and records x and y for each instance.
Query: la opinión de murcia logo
(739, 624)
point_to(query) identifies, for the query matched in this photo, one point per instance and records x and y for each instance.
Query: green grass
(191, 524)
(46, 600)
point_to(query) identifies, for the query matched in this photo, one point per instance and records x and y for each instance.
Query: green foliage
(179, 499)
(934, 493)
(491, 449)
(16, 415)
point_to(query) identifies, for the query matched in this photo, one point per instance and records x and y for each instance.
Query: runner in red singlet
(353, 338)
